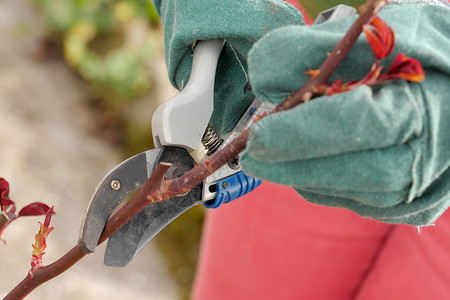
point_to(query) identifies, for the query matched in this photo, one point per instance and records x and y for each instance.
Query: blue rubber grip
(232, 188)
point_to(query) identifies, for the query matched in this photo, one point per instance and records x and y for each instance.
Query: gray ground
(47, 154)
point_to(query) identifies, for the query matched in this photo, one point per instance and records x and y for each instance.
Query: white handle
(182, 120)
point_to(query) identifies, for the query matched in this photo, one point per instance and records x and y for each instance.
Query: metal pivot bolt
(234, 163)
(115, 185)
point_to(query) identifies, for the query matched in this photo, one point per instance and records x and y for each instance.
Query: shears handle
(181, 120)
(232, 188)
(229, 182)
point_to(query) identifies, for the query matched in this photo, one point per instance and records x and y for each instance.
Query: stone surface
(48, 155)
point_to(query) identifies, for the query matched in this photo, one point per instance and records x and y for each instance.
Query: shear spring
(211, 141)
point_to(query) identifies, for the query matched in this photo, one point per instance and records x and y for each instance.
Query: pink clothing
(272, 244)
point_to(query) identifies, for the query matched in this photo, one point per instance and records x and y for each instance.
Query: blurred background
(79, 81)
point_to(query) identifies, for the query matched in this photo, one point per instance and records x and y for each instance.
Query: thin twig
(156, 189)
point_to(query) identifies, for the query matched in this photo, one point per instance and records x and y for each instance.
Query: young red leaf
(404, 67)
(48, 216)
(34, 209)
(380, 37)
(5, 202)
(41, 242)
(4, 187)
(7, 206)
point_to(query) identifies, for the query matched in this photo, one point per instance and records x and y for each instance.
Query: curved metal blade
(111, 191)
(125, 243)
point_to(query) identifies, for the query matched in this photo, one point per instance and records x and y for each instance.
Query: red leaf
(34, 209)
(4, 185)
(48, 217)
(6, 204)
(41, 242)
(4, 192)
(380, 37)
(404, 67)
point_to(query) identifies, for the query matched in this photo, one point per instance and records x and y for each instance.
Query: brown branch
(136, 203)
(305, 93)
(156, 189)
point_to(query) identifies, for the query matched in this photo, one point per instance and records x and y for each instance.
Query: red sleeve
(272, 244)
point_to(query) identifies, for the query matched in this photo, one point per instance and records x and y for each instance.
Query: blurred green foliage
(96, 41)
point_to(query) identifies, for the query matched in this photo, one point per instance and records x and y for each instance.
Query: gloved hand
(383, 152)
(241, 24)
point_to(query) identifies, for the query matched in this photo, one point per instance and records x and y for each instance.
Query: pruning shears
(179, 126)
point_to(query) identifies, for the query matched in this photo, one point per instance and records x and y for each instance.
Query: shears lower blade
(117, 186)
(124, 244)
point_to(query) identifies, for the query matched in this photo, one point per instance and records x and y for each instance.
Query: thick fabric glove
(241, 24)
(383, 152)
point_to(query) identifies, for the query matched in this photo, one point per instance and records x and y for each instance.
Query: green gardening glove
(241, 24)
(383, 152)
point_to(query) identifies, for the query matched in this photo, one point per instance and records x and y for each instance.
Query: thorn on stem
(307, 96)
